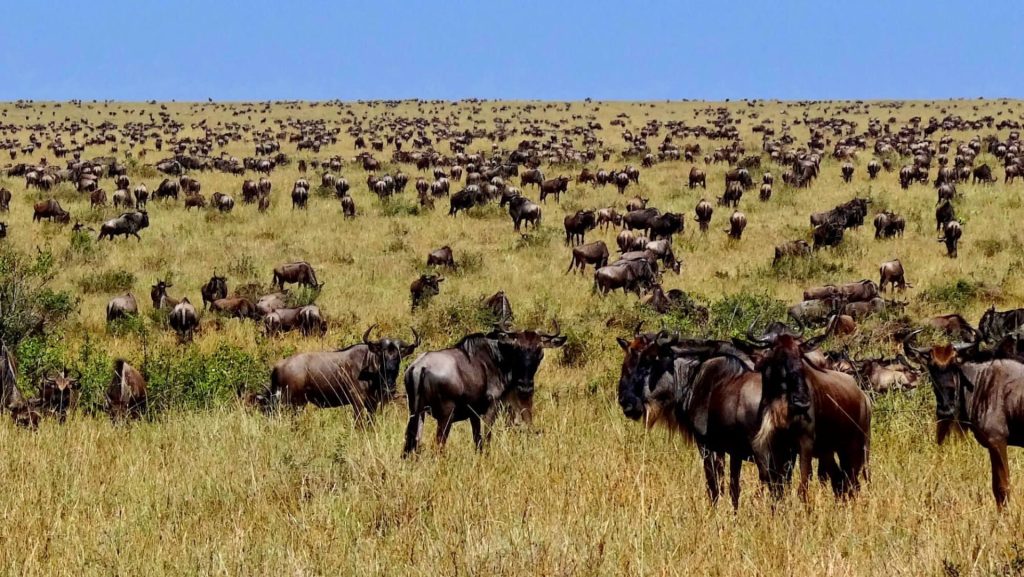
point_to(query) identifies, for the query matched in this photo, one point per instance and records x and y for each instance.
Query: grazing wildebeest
(847, 170)
(362, 375)
(121, 198)
(184, 319)
(840, 325)
(129, 223)
(424, 288)
(811, 413)
(214, 289)
(636, 203)
(577, 225)
(141, 194)
(441, 257)
(954, 326)
(766, 192)
(891, 272)
(126, 395)
(465, 199)
(984, 174)
(348, 207)
(122, 306)
(300, 197)
(664, 225)
(500, 306)
(952, 232)
(532, 176)
(814, 311)
(621, 181)
(859, 291)
(237, 307)
(791, 249)
(595, 253)
(704, 211)
(59, 392)
(300, 272)
(5, 199)
(860, 310)
(608, 216)
(889, 224)
(555, 186)
(983, 394)
(311, 321)
(662, 249)
(523, 210)
(194, 201)
(639, 219)
(628, 275)
(732, 196)
(737, 223)
(158, 294)
(697, 176)
(167, 189)
(995, 325)
(97, 197)
(828, 234)
(472, 379)
(50, 210)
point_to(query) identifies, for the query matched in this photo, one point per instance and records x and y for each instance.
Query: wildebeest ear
(553, 342)
(622, 343)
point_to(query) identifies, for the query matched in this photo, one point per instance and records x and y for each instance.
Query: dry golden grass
(225, 491)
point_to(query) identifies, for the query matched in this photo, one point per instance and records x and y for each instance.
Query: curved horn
(557, 332)
(756, 340)
(912, 351)
(639, 325)
(415, 338)
(366, 335)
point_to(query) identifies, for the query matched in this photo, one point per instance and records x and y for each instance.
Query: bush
(27, 306)
(733, 314)
(957, 294)
(107, 282)
(398, 207)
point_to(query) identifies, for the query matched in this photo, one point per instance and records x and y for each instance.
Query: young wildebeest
(300, 272)
(184, 320)
(608, 216)
(441, 257)
(126, 395)
(891, 273)
(595, 253)
(122, 306)
(982, 393)
(424, 288)
(471, 379)
(216, 288)
(362, 375)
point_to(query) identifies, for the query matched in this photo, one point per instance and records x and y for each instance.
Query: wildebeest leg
(478, 439)
(735, 466)
(445, 418)
(806, 448)
(137, 237)
(714, 472)
(412, 433)
(1000, 473)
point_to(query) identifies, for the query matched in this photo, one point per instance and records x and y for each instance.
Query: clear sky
(568, 50)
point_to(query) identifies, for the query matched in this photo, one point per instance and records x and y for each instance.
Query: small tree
(27, 305)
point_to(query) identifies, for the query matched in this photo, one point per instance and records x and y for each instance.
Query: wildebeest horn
(415, 338)
(366, 335)
(912, 351)
(964, 347)
(756, 340)
(636, 331)
(557, 332)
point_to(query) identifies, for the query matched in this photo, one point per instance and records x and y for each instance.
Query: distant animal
(122, 306)
(595, 253)
(59, 392)
(891, 273)
(791, 249)
(737, 223)
(704, 211)
(577, 225)
(129, 223)
(300, 272)
(214, 289)
(126, 395)
(424, 288)
(951, 237)
(441, 257)
(184, 319)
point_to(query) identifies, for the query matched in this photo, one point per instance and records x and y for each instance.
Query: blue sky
(284, 49)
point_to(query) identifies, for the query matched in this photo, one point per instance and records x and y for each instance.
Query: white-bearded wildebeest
(215, 289)
(122, 306)
(300, 272)
(362, 375)
(471, 379)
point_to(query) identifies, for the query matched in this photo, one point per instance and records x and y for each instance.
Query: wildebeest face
(386, 358)
(522, 353)
(633, 374)
(943, 363)
(59, 390)
(782, 374)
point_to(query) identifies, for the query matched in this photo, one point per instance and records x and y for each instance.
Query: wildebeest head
(159, 292)
(948, 381)
(59, 390)
(386, 356)
(781, 367)
(522, 352)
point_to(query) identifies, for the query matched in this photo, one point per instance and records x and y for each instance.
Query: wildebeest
(126, 395)
(424, 288)
(944, 213)
(59, 392)
(532, 176)
(621, 181)
(167, 189)
(194, 201)
(629, 275)
(311, 321)
(97, 197)
(238, 307)
(951, 237)
(300, 272)
(860, 310)
(636, 203)
(499, 306)
(122, 306)
(640, 219)
(828, 234)
(5, 199)
(814, 311)
(732, 196)
(129, 223)
(441, 257)
(888, 225)
(348, 207)
(224, 202)
(158, 294)
(704, 211)
(984, 174)
(471, 379)
(141, 194)
(577, 225)
(697, 176)
(214, 289)
(665, 225)
(300, 197)
(737, 223)
(847, 170)
(465, 199)
(184, 319)
(555, 186)
(891, 273)
(954, 326)
(874, 167)
(595, 253)
(362, 375)
(995, 325)
(50, 210)
(859, 291)
(662, 250)
(523, 210)
(11, 398)
(3, 230)
(608, 216)
(791, 249)
(766, 192)
(983, 394)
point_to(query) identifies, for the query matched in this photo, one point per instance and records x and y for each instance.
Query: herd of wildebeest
(770, 397)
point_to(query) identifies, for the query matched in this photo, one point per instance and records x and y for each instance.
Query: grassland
(211, 488)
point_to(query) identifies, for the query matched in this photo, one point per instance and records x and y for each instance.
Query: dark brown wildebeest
(97, 197)
(50, 210)
(944, 213)
(697, 176)
(524, 211)
(126, 395)
(3, 230)
(704, 211)
(595, 253)
(362, 375)
(11, 398)
(791, 249)
(129, 223)
(158, 294)
(5, 199)
(811, 413)
(555, 186)
(952, 232)
(662, 250)
(636, 203)
(995, 325)
(737, 223)
(184, 320)
(424, 288)
(466, 199)
(586, 175)
(828, 234)
(766, 192)
(847, 170)
(141, 194)
(891, 273)
(194, 201)
(250, 192)
(300, 197)
(621, 181)
(59, 392)
(299, 272)
(732, 196)
(121, 198)
(122, 306)
(500, 306)
(984, 174)
(223, 202)
(441, 257)
(237, 307)
(532, 176)
(348, 207)
(946, 191)
(860, 310)
(874, 167)
(664, 225)
(889, 224)
(859, 291)
(982, 393)
(167, 189)
(639, 219)
(577, 225)
(608, 216)
(472, 380)
(214, 289)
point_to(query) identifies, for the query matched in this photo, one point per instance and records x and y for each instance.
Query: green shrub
(27, 305)
(107, 282)
(733, 314)
(957, 294)
(398, 207)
